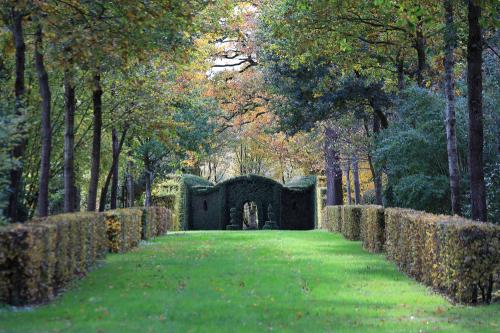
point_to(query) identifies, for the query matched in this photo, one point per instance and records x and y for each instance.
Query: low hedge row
(458, 257)
(155, 221)
(38, 259)
(373, 228)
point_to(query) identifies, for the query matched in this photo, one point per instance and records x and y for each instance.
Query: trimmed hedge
(332, 218)
(123, 229)
(39, 258)
(458, 257)
(351, 222)
(155, 221)
(373, 228)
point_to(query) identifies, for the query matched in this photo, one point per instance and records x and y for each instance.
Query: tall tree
(114, 181)
(69, 141)
(333, 170)
(475, 104)
(450, 119)
(46, 127)
(16, 16)
(348, 180)
(355, 175)
(96, 142)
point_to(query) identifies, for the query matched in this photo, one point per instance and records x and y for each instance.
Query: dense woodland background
(396, 102)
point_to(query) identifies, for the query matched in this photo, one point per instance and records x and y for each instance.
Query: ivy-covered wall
(294, 204)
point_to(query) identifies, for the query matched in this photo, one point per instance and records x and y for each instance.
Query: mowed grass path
(249, 282)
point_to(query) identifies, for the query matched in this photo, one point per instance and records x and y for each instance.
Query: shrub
(149, 225)
(163, 220)
(24, 273)
(123, 229)
(351, 222)
(373, 228)
(456, 256)
(332, 218)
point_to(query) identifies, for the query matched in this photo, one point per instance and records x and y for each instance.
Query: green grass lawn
(249, 281)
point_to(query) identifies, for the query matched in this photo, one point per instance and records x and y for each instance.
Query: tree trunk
(420, 47)
(114, 182)
(19, 90)
(449, 87)
(377, 177)
(46, 129)
(348, 180)
(104, 190)
(333, 171)
(130, 184)
(96, 142)
(475, 101)
(355, 174)
(69, 143)
(147, 200)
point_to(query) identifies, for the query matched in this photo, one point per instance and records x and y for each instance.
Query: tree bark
(104, 190)
(19, 90)
(475, 103)
(149, 176)
(96, 142)
(333, 171)
(377, 177)
(46, 128)
(348, 180)
(130, 184)
(355, 174)
(420, 48)
(114, 182)
(69, 143)
(449, 87)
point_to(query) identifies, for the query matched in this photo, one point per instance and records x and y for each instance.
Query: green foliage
(404, 149)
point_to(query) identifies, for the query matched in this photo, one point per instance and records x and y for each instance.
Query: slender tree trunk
(19, 90)
(96, 142)
(475, 101)
(449, 87)
(333, 171)
(337, 185)
(377, 176)
(348, 180)
(69, 143)
(104, 190)
(355, 174)
(420, 48)
(130, 184)
(46, 129)
(114, 182)
(329, 169)
(149, 176)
